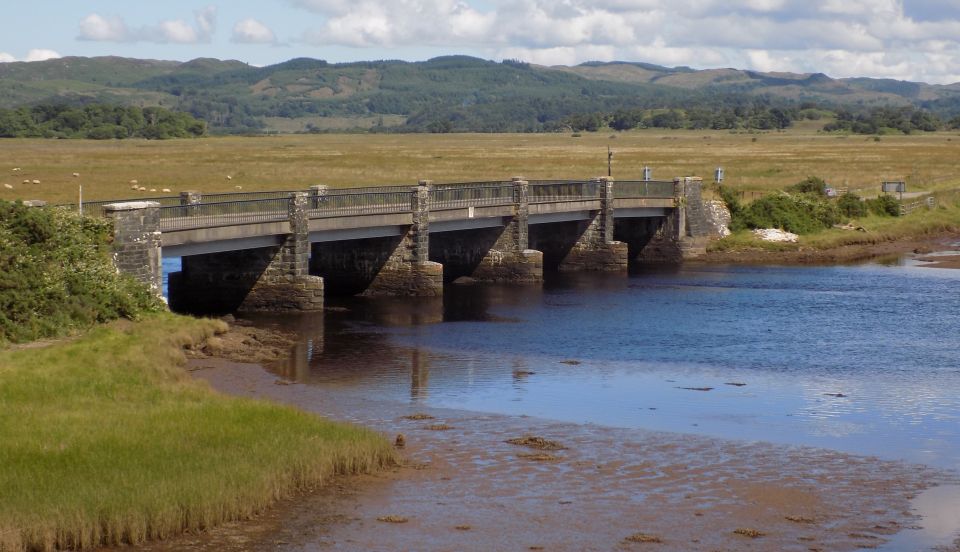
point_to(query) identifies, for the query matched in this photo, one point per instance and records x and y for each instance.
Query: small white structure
(776, 235)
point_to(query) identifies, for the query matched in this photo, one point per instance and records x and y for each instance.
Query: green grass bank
(877, 229)
(105, 439)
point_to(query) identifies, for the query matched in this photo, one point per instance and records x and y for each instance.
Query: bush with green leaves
(810, 185)
(851, 206)
(56, 275)
(885, 206)
(794, 213)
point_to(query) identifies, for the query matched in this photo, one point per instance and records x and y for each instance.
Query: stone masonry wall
(136, 245)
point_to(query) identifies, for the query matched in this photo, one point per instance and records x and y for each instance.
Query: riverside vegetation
(105, 439)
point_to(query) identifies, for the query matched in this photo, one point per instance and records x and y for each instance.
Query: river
(860, 359)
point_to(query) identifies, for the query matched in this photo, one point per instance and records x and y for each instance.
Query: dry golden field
(752, 161)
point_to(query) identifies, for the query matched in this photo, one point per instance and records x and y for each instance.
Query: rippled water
(855, 358)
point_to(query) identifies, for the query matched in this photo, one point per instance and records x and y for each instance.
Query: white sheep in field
(142, 189)
(26, 181)
(229, 177)
(36, 181)
(75, 175)
(134, 187)
(17, 169)
(153, 189)
(165, 190)
(134, 182)
(8, 186)
(238, 187)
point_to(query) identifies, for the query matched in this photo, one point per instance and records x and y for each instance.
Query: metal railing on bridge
(224, 213)
(634, 189)
(352, 201)
(230, 208)
(471, 194)
(551, 191)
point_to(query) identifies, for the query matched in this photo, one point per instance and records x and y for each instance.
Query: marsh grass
(753, 162)
(105, 440)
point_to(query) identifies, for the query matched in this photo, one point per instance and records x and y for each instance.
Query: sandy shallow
(463, 487)
(940, 261)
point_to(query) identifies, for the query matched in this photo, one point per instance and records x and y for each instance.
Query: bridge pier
(408, 270)
(509, 258)
(272, 278)
(682, 234)
(391, 266)
(136, 241)
(596, 250)
(584, 245)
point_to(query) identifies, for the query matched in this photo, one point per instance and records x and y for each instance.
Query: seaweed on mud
(536, 442)
(418, 416)
(538, 456)
(751, 533)
(438, 427)
(393, 519)
(799, 519)
(644, 538)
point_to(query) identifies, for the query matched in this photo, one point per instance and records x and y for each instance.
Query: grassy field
(106, 440)
(753, 162)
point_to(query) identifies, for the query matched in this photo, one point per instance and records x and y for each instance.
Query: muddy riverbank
(836, 255)
(464, 487)
(407, 369)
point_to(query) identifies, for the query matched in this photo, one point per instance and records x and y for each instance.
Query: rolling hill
(455, 92)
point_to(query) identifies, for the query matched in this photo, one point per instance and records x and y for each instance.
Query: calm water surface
(861, 359)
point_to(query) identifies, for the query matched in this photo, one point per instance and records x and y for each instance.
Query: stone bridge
(283, 250)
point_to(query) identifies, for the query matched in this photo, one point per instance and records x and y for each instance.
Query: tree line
(98, 122)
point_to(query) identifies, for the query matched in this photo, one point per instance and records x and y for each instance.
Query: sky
(916, 40)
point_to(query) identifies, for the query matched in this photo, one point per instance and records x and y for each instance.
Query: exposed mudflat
(843, 254)
(561, 486)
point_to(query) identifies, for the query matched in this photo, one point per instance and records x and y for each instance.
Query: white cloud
(251, 31)
(6, 58)
(41, 54)
(99, 28)
(96, 27)
(913, 39)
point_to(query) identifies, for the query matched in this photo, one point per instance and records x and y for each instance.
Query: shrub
(884, 206)
(797, 214)
(851, 206)
(732, 202)
(810, 185)
(56, 275)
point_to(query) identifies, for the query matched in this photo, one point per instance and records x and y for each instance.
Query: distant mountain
(455, 92)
